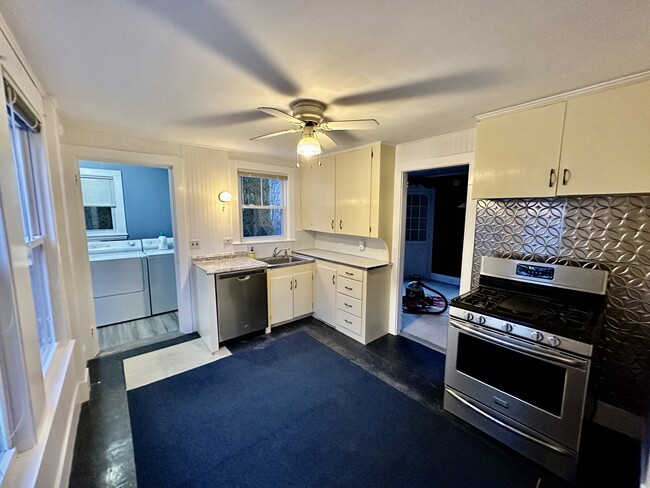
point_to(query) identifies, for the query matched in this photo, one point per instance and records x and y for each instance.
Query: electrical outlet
(194, 244)
(227, 240)
(362, 244)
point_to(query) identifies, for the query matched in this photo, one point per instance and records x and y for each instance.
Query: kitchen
(200, 172)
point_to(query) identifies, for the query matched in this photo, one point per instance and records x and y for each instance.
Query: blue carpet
(295, 413)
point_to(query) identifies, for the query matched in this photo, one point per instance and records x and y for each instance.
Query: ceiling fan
(307, 117)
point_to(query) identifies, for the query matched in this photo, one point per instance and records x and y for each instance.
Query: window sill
(260, 240)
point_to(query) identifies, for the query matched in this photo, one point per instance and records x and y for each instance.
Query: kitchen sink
(284, 260)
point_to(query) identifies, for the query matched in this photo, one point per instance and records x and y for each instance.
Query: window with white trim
(24, 130)
(263, 207)
(103, 202)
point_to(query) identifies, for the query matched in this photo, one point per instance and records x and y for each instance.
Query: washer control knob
(480, 319)
(506, 327)
(536, 336)
(553, 341)
(469, 316)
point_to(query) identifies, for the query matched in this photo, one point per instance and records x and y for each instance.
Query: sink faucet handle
(275, 252)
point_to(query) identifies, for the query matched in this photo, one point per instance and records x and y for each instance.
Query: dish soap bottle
(162, 241)
(252, 253)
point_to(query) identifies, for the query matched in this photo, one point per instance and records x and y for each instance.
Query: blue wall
(146, 198)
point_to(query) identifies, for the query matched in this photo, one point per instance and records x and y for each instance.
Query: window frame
(118, 212)
(284, 180)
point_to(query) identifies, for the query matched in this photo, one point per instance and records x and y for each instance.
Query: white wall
(435, 152)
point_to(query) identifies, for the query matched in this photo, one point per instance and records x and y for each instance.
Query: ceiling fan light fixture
(308, 145)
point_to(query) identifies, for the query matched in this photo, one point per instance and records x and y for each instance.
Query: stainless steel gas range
(519, 354)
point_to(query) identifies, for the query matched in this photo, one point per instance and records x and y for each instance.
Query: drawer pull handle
(566, 176)
(295, 284)
(551, 179)
(348, 305)
(348, 288)
(349, 274)
(332, 224)
(333, 282)
(347, 321)
(340, 224)
(291, 285)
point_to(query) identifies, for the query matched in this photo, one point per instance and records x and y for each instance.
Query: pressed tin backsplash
(602, 232)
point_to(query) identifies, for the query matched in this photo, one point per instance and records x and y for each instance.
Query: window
(262, 200)
(416, 217)
(103, 202)
(28, 158)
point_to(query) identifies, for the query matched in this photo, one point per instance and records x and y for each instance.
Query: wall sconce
(225, 196)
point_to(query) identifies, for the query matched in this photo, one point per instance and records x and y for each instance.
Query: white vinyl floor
(157, 365)
(430, 330)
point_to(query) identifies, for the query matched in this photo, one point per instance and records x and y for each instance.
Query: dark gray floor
(103, 454)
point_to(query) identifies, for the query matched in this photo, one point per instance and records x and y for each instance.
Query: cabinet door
(303, 293)
(325, 293)
(307, 199)
(518, 154)
(322, 195)
(281, 299)
(353, 189)
(606, 147)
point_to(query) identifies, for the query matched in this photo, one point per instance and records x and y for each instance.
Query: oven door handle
(577, 363)
(555, 447)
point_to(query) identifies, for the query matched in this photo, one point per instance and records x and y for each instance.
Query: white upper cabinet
(517, 155)
(353, 187)
(606, 147)
(593, 144)
(350, 193)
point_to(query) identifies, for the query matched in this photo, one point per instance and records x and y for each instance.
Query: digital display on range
(535, 271)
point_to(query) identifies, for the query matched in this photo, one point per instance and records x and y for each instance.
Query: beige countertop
(226, 263)
(339, 257)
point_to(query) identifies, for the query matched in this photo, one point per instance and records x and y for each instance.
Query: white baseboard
(452, 280)
(67, 443)
(619, 420)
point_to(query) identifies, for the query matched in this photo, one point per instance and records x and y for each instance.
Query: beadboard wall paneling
(207, 173)
(435, 147)
(83, 136)
(602, 232)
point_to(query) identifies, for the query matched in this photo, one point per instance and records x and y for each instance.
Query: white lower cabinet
(352, 300)
(290, 293)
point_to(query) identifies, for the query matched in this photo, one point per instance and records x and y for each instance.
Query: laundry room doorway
(129, 221)
(434, 235)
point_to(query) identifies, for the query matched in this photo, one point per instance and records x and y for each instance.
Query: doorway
(129, 228)
(434, 231)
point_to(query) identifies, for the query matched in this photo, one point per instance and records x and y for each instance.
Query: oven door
(534, 385)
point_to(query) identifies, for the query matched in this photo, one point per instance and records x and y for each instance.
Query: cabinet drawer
(349, 287)
(348, 321)
(351, 273)
(349, 304)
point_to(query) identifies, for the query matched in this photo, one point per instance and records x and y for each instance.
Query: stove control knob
(536, 336)
(506, 327)
(553, 341)
(469, 316)
(480, 319)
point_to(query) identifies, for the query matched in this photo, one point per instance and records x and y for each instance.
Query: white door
(321, 195)
(353, 191)
(325, 293)
(303, 293)
(281, 299)
(419, 231)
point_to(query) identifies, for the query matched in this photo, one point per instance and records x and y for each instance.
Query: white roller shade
(98, 191)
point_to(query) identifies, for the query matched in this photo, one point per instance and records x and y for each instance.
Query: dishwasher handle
(241, 275)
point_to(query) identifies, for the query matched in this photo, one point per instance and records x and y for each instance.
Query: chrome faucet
(285, 249)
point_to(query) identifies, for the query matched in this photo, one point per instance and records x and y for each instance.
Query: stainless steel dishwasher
(241, 303)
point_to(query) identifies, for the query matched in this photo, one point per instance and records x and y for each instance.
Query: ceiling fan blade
(362, 124)
(280, 114)
(325, 140)
(273, 134)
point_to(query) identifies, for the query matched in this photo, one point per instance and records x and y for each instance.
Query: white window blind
(98, 191)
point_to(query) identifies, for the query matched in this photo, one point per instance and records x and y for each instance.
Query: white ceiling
(194, 71)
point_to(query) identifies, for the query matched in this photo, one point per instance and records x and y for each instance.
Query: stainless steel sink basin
(284, 260)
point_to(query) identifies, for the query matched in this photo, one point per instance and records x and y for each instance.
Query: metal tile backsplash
(603, 232)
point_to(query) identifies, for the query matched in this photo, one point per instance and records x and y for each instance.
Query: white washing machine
(162, 275)
(120, 279)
